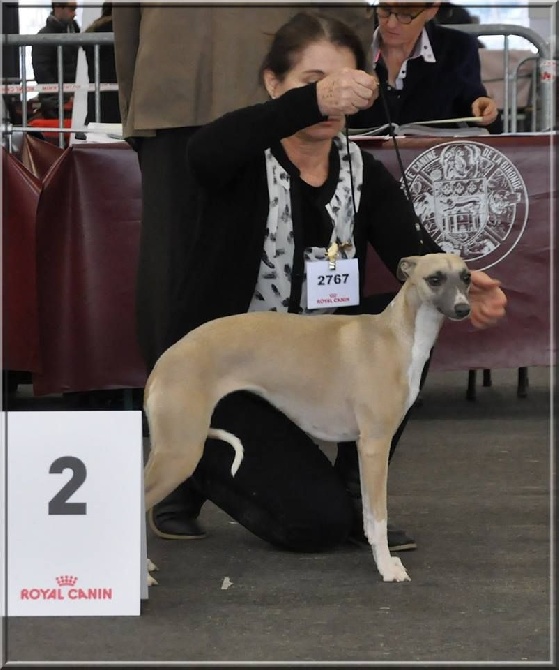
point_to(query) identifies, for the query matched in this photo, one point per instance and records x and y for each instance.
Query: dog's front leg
(151, 567)
(373, 469)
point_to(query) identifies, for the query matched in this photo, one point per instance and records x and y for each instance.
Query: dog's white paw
(151, 567)
(394, 571)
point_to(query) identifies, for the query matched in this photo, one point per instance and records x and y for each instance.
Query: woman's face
(396, 34)
(315, 62)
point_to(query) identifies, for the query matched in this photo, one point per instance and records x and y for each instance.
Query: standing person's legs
(347, 462)
(285, 491)
(167, 219)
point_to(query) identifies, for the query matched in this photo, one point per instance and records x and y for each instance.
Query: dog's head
(440, 279)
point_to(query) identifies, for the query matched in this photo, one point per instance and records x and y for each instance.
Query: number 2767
(326, 280)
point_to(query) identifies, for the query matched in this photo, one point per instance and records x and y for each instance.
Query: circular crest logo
(471, 199)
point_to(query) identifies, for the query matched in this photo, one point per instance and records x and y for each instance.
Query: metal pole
(97, 68)
(533, 124)
(506, 94)
(60, 65)
(24, 86)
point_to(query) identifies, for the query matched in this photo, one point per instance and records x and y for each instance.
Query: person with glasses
(45, 60)
(427, 71)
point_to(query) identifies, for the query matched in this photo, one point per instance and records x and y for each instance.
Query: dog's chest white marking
(427, 325)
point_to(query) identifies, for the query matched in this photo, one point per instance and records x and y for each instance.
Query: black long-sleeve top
(44, 56)
(227, 163)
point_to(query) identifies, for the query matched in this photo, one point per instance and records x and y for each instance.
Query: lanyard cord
(350, 173)
(418, 226)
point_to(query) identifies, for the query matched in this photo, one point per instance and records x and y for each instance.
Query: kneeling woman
(279, 185)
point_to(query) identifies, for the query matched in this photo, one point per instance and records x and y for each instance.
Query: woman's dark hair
(308, 28)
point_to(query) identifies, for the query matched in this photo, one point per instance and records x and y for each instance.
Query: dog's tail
(237, 445)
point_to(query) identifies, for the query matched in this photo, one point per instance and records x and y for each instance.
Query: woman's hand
(346, 92)
(487, 300)
(486, 108)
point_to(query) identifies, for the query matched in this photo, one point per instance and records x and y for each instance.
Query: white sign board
(74, 510)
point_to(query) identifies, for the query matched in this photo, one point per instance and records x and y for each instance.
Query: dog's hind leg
(179, 426)
(373, 469)
(178, 431)
(164, 472)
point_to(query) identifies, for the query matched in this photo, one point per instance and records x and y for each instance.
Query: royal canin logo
(66, 591)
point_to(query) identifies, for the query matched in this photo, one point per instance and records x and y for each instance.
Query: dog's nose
(462, 309)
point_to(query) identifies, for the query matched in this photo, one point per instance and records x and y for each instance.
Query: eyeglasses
(401, 17)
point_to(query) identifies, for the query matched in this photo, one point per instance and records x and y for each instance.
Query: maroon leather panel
(20, 334)
(88, 235)
(38, 156)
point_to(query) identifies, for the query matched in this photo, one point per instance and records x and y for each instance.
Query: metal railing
(542, 93)
(542, 97)
(96, 40)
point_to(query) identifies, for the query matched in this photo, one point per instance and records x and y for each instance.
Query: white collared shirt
(422, 49)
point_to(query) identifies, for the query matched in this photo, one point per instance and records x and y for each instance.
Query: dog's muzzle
(462, 310)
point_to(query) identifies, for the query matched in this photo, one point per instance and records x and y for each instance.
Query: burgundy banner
(20, 341)
(491, 200)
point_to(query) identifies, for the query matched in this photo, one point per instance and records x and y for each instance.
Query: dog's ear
(406, 266)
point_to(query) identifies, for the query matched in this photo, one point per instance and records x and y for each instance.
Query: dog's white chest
(427, 325)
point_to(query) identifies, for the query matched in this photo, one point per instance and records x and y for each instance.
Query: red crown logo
(66, 580)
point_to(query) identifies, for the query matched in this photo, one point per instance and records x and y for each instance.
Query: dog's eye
(434, 280)
(466, 278)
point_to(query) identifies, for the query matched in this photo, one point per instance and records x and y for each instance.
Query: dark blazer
(441, 90)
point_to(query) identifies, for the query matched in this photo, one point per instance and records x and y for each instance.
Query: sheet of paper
(112, 129)
(463, 119)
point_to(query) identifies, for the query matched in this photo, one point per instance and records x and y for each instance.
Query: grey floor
(471, 482)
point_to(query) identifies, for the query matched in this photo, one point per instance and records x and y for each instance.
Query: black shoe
(174, 526)
(175, 517)
(397, 539)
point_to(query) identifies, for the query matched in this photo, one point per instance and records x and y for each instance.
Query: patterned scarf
(273, 286)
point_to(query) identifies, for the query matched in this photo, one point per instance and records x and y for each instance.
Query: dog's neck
(419, 323)
(410, 313)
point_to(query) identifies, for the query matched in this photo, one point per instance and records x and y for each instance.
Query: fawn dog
(337, 377)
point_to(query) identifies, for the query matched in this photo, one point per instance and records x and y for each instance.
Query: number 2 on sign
(333, 279)
(59, 504)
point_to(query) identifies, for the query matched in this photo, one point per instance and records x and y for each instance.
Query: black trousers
(168, 207)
